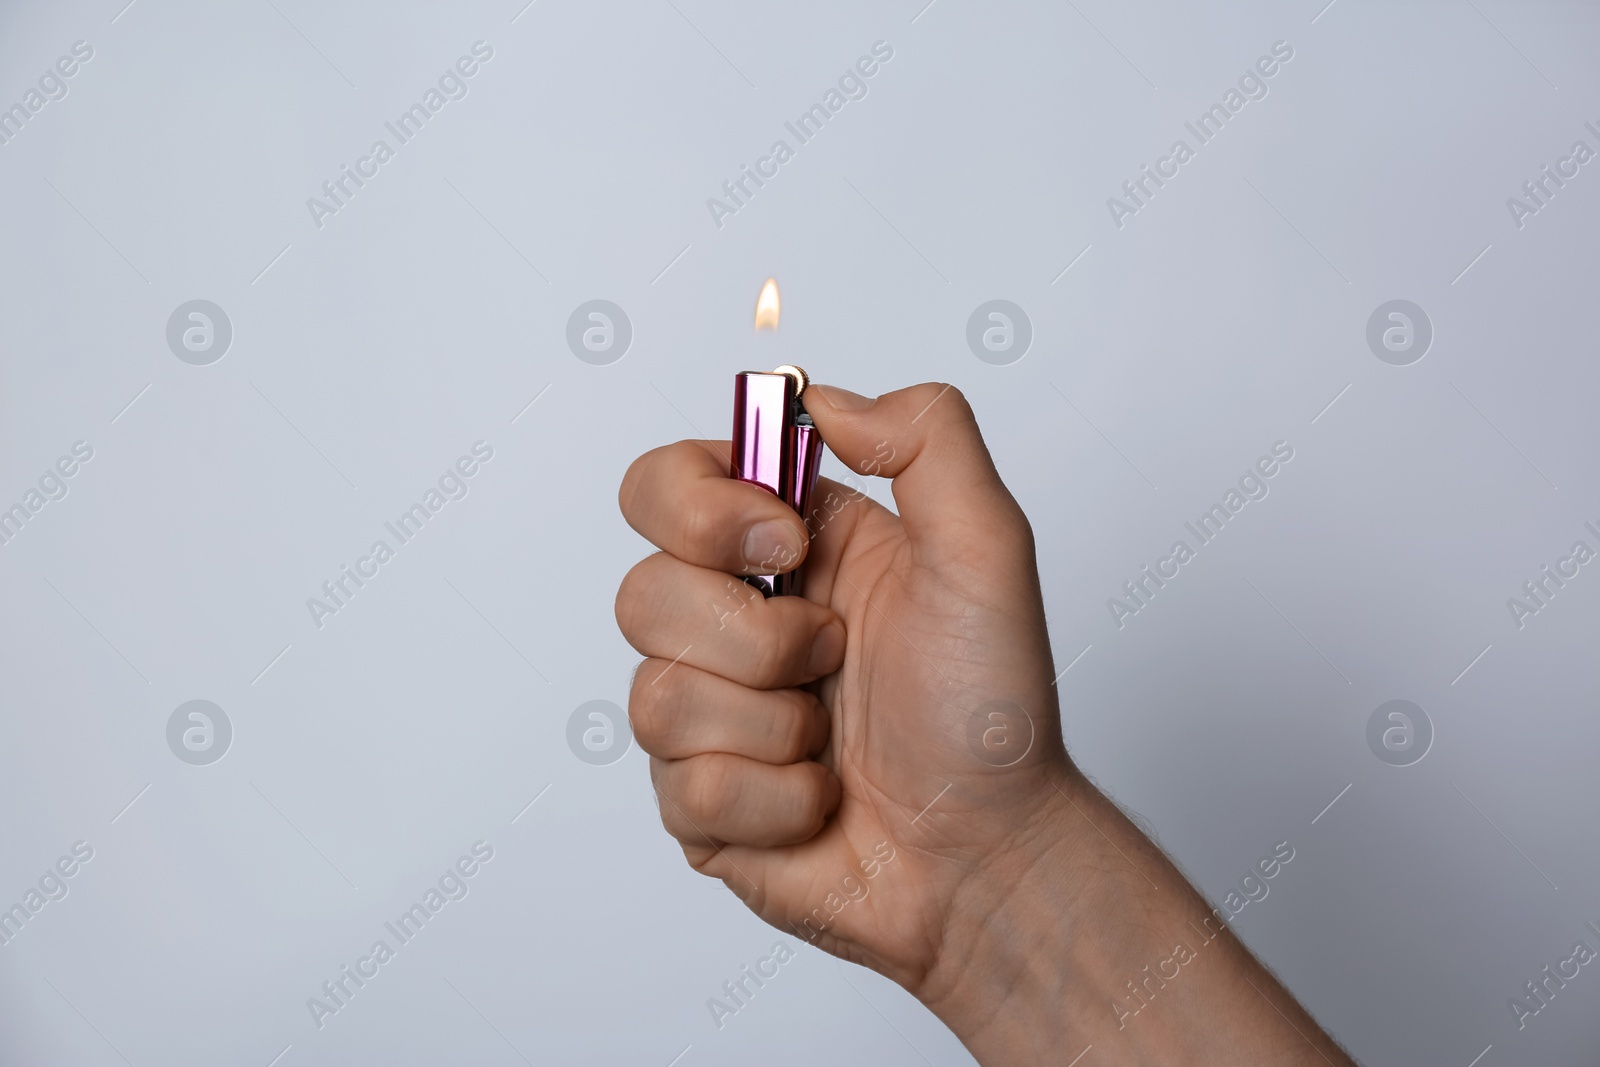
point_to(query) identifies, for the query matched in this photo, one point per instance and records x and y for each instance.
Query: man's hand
(877, 766)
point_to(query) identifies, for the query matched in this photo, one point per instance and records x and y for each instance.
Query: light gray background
(369, 354)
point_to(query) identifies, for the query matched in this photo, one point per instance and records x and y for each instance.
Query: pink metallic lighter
(776, 446)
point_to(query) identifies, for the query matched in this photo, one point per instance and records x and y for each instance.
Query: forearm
(1088, 935)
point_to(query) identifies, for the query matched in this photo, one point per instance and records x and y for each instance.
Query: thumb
(925, 437)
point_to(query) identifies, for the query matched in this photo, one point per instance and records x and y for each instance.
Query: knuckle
(650, 706)
(628, 491)
(699, 857)
(773, 654)
(956, 399)
(637, 600)
(633, 495)
(702, 530)
(628, 593)
(943, 401)
(709, 788)
(790, 731)
(672, 780)
(815, 804)
(685, 829)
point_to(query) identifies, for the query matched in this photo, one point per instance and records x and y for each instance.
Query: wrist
(1013, 948)
(1078, 931)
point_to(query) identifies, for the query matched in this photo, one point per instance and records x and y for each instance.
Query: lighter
(776, 446)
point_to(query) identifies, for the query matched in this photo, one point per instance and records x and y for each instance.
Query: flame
(768, 306)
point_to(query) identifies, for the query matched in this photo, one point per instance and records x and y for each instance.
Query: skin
(797, 742)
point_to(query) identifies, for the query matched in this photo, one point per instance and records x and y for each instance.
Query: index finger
(681, 499)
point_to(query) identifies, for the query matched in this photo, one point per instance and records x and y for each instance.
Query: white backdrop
(355, 345)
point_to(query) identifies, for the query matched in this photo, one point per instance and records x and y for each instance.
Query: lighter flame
(768, 306)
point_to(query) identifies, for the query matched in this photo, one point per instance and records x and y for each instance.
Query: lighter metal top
(801, 378)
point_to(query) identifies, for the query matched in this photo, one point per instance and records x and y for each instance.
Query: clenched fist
(877, 765)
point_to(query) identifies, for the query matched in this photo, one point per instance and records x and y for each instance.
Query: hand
(877, 766)
(783, 752)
